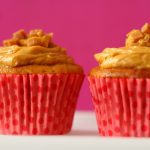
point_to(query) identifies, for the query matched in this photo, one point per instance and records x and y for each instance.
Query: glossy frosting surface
(35, 48)
(135, 54)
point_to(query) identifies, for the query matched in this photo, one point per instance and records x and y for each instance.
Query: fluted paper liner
(122, 106)
(38, 104)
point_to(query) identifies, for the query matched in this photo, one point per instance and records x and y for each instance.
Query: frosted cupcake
(39, 85)
(120, 87)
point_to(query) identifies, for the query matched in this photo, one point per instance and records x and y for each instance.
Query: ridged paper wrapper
(37, 104)
(122, 106)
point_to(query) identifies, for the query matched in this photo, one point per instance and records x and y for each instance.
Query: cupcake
(120, 87)
(39, 85)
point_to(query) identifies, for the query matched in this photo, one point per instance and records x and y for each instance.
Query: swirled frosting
(35, 48)
(135, 54)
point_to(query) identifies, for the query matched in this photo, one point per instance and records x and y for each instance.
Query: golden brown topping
(133, 37)
(33, 41)
(19, 35)
(146, 28)
(10, 42)
(139, 37)
(34, 38)
(135, 34)
(35, 48)
(145, 41)
(42, 41)
(22, 42)
(46, 40)
(135, 55)
(37, 33)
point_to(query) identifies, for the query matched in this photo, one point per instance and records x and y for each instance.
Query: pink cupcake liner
(38, 104)
(122, 106)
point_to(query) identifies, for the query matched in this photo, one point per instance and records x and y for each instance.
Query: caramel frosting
(135, 54)
(35, 48)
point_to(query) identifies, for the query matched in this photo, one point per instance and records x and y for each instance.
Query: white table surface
(84, 136)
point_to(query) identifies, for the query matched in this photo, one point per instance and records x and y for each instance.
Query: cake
(120, 86)
(39, 85)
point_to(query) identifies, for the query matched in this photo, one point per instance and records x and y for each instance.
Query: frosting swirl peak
(135, 54)
(35, 48)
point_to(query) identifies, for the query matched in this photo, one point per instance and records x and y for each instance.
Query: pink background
(84, 27)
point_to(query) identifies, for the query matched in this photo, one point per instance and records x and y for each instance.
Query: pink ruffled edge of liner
(122, 106)
(38, 104)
